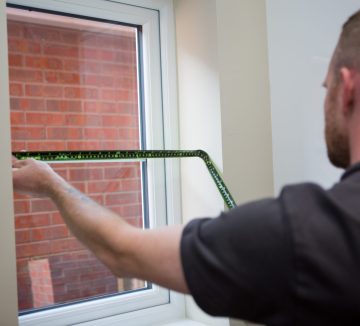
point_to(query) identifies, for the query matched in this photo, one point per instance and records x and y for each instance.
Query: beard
(337, 143)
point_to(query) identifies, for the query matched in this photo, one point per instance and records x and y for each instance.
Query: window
(90, 76)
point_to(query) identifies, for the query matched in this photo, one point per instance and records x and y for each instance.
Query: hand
(33, 177)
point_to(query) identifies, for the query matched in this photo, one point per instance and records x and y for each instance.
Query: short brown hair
(347, 52)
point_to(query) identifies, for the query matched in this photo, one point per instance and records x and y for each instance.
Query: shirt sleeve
(240, 264)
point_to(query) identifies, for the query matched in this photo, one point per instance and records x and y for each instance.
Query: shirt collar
(351, 170)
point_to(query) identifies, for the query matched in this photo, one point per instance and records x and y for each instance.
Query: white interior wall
(199, 115)
(223, 103)
(245, 98)
(301, 36)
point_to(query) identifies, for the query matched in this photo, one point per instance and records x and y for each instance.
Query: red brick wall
(72, 90)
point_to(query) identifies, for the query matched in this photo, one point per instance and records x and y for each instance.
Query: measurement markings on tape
(131, 155)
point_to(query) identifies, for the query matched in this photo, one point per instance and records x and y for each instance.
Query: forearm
(152, 255)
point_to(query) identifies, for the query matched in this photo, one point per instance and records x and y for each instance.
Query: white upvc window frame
(155, 305)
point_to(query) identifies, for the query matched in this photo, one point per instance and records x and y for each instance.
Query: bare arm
(152, 255)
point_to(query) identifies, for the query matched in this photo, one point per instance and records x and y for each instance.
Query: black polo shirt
(293, 260)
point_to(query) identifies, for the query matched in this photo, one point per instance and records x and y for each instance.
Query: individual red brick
(52, 91)
(83, 120)
(121, 199)
(69, 78)
(127, 95)
(64, 105)
(109, 94)
(43, 62)
(15, 60)
(101, 133)
(120, 172)
(125, 57)
(125, 42)
(40, 234)
(118, 69)
(32, 249)
(85, 174)
(17, 118)
(90, 80)
(104, 186)
(92, 107)
(47, 233)
(30, 221)
(42, 34)
(63, 133)
(129, 133)
(48, 119)
(27, 104)
(22, 206)
(111, 107)
(23, 46)
(34, 90)
(118, 145)
(119, 120)
(23, 75)
(130, 185)
(18, 146)
(90, 53)
(71, 65)
(22, 266)
(90, 67)
(128, 108)
(62, 78)
(124, 82)
(56, 218)
(16, 89)
(81, 92)
(59, 231)
(83, 145)
(26, 133)
(107, 55)
(61, 50)
(132, 211)
(22, 236)
(64, 245)
(104, 41)
(43, 91)
(51, 77)
(46, 146)
(53, 63)
(107, 81)
(42, 205)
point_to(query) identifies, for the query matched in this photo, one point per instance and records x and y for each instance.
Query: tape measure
(130, 155)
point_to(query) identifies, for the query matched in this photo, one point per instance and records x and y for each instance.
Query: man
(294, 260)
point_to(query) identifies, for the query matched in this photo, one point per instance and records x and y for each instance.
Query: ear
(348, 89)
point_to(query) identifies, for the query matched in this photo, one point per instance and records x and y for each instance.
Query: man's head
(339, 102)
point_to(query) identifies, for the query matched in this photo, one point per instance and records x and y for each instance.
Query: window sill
(184, 322)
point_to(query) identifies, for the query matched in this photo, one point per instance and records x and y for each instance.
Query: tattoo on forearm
(76, 193)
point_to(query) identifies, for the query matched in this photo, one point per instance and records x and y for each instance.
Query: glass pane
(73, 86)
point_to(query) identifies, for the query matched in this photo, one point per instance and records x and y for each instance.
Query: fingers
(19, 163)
